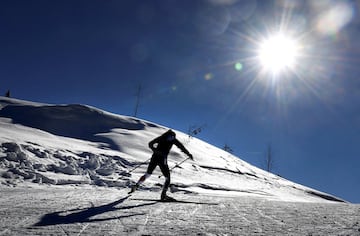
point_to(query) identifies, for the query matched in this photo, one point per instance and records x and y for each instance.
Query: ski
(174, 201)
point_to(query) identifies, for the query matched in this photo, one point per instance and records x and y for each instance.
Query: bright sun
(278, 53)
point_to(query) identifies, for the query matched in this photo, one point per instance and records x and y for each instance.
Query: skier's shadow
(84, 215)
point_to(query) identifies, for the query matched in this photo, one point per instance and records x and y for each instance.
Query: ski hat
(170, 134)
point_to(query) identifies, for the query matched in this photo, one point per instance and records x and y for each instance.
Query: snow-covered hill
(78, 145)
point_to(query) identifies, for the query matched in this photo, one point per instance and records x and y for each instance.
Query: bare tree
(228, 149)
(269, 159)
(194, 130)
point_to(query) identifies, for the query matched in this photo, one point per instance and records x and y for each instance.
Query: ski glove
(191, 156)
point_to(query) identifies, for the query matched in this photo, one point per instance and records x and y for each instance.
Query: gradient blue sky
(183, 54)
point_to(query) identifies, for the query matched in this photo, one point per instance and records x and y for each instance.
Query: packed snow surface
(63, 167)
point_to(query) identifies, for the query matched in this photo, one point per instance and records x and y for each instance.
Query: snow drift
(81, 145)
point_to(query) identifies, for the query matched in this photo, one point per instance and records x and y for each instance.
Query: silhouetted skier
(159, 158)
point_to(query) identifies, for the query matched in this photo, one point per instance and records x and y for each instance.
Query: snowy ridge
(82, 145)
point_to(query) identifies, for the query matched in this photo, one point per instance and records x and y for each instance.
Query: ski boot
(133, 188)
(166, 198)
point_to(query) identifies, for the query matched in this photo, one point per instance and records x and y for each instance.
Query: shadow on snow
(84, 215)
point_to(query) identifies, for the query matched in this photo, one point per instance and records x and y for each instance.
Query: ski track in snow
(230, 216)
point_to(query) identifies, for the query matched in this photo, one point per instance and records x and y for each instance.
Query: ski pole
(139, 165)
(177, 165)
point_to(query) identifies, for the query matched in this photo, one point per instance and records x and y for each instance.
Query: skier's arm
(152, 143)
(182, 148)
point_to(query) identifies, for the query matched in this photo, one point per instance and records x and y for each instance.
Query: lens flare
(278, 53)
(238, 66)
(208, 76)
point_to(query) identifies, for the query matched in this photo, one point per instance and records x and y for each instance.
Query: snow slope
(43, 145)
(67, 210)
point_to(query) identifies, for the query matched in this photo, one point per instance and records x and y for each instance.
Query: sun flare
(278, 53)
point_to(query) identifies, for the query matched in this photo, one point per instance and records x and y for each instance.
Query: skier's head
(170, 135)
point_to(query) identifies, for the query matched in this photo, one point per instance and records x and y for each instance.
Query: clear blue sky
(183, 54)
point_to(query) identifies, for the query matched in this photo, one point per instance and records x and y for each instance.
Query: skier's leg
(143, 178)
(166, 172)
(149, 171)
